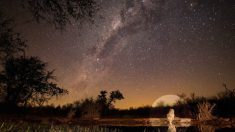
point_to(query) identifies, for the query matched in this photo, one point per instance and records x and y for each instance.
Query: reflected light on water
(171, 128)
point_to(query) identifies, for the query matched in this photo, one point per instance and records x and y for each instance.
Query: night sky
(144, 48)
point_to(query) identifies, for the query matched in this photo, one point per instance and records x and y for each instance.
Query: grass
(22, 126)
(33, 127)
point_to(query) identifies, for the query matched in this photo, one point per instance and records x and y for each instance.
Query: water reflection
(14, 126)
(171, 128)
(206, 128)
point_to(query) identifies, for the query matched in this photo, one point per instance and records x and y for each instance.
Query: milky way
(145, 48)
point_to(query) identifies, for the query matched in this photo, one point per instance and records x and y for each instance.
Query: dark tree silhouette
(225, 102)
(108, 103)
(114, 95)
(102, 97)
(102, 102)
(11, 43)
(23, 80)
(61, 12)
(26, 81)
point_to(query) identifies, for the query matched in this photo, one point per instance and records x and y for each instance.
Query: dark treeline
(86, 108)
(221, 105)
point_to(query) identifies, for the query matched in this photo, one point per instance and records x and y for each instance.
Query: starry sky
(144, 48)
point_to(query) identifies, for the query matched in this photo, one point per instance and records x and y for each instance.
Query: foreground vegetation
(32, 127)
(27, 127)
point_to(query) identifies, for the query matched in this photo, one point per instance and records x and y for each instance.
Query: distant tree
(182, 95)
(89, 108)
(26, 81)
(105, 104)
(182, 100)
(102, 101)
(102, 97)
(114, 95)
(225, 102)
(228, 93)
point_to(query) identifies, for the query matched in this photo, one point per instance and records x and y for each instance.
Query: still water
(169, 129)
(19, 126)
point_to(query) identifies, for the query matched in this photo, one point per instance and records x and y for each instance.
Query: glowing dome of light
(166, 100)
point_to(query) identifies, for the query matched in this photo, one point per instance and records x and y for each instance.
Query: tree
(105, 104)
(26, 81)
(61, 12)
(225, 102)
(114, 95)
(11, 43)
(88, 108)
(23, 80)
(102, 101)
